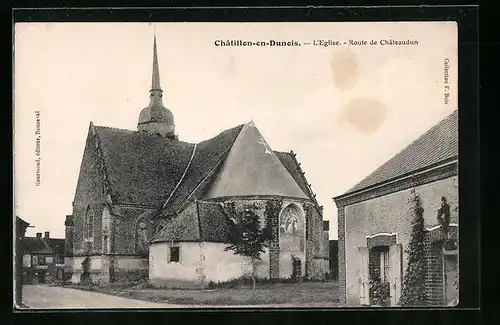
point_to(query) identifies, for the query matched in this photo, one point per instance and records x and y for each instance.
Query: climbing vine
(271, 212)
(414, 293)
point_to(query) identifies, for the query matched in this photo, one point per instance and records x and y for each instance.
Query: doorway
(296, 268)
(41, 277)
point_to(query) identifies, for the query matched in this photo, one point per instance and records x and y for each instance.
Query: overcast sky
(344, 110)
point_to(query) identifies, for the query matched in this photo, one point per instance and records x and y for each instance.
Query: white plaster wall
(217, 265)
(185, 270)
(221, 265)
(391, 214)
(27, 260)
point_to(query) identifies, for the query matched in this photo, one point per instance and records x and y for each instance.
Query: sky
(344, 110)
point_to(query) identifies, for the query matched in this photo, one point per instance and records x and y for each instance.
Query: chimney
(46, 235)
(38, 235)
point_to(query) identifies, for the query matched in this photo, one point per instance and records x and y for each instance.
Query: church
(150, 206)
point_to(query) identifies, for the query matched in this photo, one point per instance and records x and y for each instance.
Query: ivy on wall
(271, 212)
(414, 293)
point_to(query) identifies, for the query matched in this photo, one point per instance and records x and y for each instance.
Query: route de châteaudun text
(324, 43)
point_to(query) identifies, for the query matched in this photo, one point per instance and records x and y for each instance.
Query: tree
(248, 239)
(414, 280)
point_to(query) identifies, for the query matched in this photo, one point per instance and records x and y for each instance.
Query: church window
(89, 223)
(174, 254)
(142, 237)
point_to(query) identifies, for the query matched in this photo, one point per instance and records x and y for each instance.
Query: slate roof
(57, 245)
(145, 169)
(438, 144)
(208, 156)
(34, 245)
(293, 167)
(207, 222)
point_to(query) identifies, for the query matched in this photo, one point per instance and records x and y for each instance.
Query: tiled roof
(57, 245)
(142, 168)
(206, 222)
(34, 245)
(213, 221)
(438, 144)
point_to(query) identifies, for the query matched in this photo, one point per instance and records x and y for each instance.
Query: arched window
(292, 229)
(142, 237)
(89, 223)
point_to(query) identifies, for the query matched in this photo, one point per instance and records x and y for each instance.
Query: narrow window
(174, 254)
(89, 223)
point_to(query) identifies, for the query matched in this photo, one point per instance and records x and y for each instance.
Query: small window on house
(174, 255)
(34, 260)
(41, 260)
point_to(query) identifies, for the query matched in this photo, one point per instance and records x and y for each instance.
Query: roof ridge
(214, 168)
(182, 177)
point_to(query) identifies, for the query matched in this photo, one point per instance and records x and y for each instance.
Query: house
(374, 220)
(20, 228)
(43, 259)
(149, 206)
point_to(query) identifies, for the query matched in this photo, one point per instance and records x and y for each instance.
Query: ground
(308, 294)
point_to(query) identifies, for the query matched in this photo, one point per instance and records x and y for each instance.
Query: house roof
(438, 144)
(34, 245)
(57, 245)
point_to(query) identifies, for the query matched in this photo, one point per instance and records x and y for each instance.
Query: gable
(252, 169)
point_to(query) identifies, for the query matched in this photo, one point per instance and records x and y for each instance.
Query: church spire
(155, 84)
(156, 118)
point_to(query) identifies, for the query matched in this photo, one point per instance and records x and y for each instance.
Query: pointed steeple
(155, 84)
(156, 118)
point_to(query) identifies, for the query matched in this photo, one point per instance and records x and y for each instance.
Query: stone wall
(90, 192)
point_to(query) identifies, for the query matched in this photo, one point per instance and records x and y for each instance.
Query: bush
(380, 292)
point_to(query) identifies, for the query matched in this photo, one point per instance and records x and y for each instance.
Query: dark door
(41, 277)
(296, 267)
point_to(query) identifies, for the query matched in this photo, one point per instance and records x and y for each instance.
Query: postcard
(238, 165)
